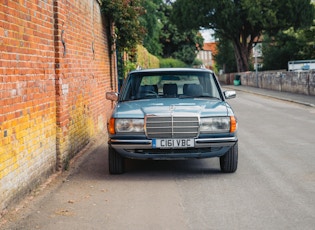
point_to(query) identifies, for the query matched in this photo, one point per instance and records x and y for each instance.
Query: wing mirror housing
(113, 96)
(229, 94)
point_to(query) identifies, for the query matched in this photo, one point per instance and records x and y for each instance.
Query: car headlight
(218, 124)
(125, 125)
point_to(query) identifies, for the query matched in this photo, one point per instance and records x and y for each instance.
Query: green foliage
(277, 54)
(197, 62)
(177, 44)
(125, 16)
(170, 63)
(225, 58)
(306, 42)
(152, 24)
(287, 46)
(187, 54)
(142, 59)
(147, 22)
(129, 66)
(145, 59)
(162, 38)
(242, 22)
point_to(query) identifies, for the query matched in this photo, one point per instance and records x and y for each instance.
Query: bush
(170, 62)
(145, 59)
(197, 62)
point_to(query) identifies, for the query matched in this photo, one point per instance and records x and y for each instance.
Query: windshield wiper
(200, 96)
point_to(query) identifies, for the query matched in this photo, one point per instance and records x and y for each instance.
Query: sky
(207, 35)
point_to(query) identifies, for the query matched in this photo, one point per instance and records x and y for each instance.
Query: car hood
(172, 107)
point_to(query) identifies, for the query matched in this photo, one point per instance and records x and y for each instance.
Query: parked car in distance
(172, 113)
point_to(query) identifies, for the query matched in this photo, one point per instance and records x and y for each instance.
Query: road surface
(273, 188)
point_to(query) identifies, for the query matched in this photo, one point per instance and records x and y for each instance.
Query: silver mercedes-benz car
(172, 113)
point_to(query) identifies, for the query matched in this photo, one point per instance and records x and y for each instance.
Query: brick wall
(54, 72)
(81, 75)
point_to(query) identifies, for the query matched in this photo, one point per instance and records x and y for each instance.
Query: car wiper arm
(200, 96)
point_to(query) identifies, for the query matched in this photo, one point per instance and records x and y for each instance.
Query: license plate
(173, 143)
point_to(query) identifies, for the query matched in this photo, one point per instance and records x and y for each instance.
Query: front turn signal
(233, 124)
(111, 126)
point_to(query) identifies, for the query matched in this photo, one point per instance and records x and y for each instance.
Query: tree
(277, 50)
(177, 44)
(225, 58)
(152, 23)
(125, 16)
(163, 39)
(287, 46)
(147, 23)
(243, 21)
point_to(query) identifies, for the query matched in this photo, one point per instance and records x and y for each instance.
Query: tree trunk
(242, 52)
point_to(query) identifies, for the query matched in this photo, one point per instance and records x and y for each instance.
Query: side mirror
(229, 94)
(112, 96)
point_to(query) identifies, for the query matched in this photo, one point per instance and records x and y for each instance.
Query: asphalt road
(273, 188)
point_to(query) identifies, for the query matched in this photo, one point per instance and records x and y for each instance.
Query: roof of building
(210, 46)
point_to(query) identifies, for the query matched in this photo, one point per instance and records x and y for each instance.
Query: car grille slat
(172, 127)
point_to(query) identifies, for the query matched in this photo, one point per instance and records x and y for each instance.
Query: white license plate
(173, 143)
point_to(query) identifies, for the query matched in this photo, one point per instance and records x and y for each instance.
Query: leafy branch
(125, 14)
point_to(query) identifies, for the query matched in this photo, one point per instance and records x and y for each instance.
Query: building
(206, 55)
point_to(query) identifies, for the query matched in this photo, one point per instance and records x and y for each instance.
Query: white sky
(207, 35)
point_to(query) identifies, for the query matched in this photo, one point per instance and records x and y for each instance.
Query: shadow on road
(94, 166)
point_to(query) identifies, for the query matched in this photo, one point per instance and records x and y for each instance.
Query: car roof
(172, 70)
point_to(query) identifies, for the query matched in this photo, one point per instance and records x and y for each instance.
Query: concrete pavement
(292, 97)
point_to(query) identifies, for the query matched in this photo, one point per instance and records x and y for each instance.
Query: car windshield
(182, 84)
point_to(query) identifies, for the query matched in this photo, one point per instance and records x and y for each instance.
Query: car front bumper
(203, 148)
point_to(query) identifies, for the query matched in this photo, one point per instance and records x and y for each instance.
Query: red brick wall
(54, 72)
(82, 73)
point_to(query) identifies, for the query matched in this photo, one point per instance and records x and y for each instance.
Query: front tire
(228, 162)
(116, 162)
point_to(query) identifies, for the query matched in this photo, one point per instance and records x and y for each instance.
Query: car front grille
(172, 127)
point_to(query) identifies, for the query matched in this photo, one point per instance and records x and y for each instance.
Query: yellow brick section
(27, 149)
(23, 136)
(79, 132)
